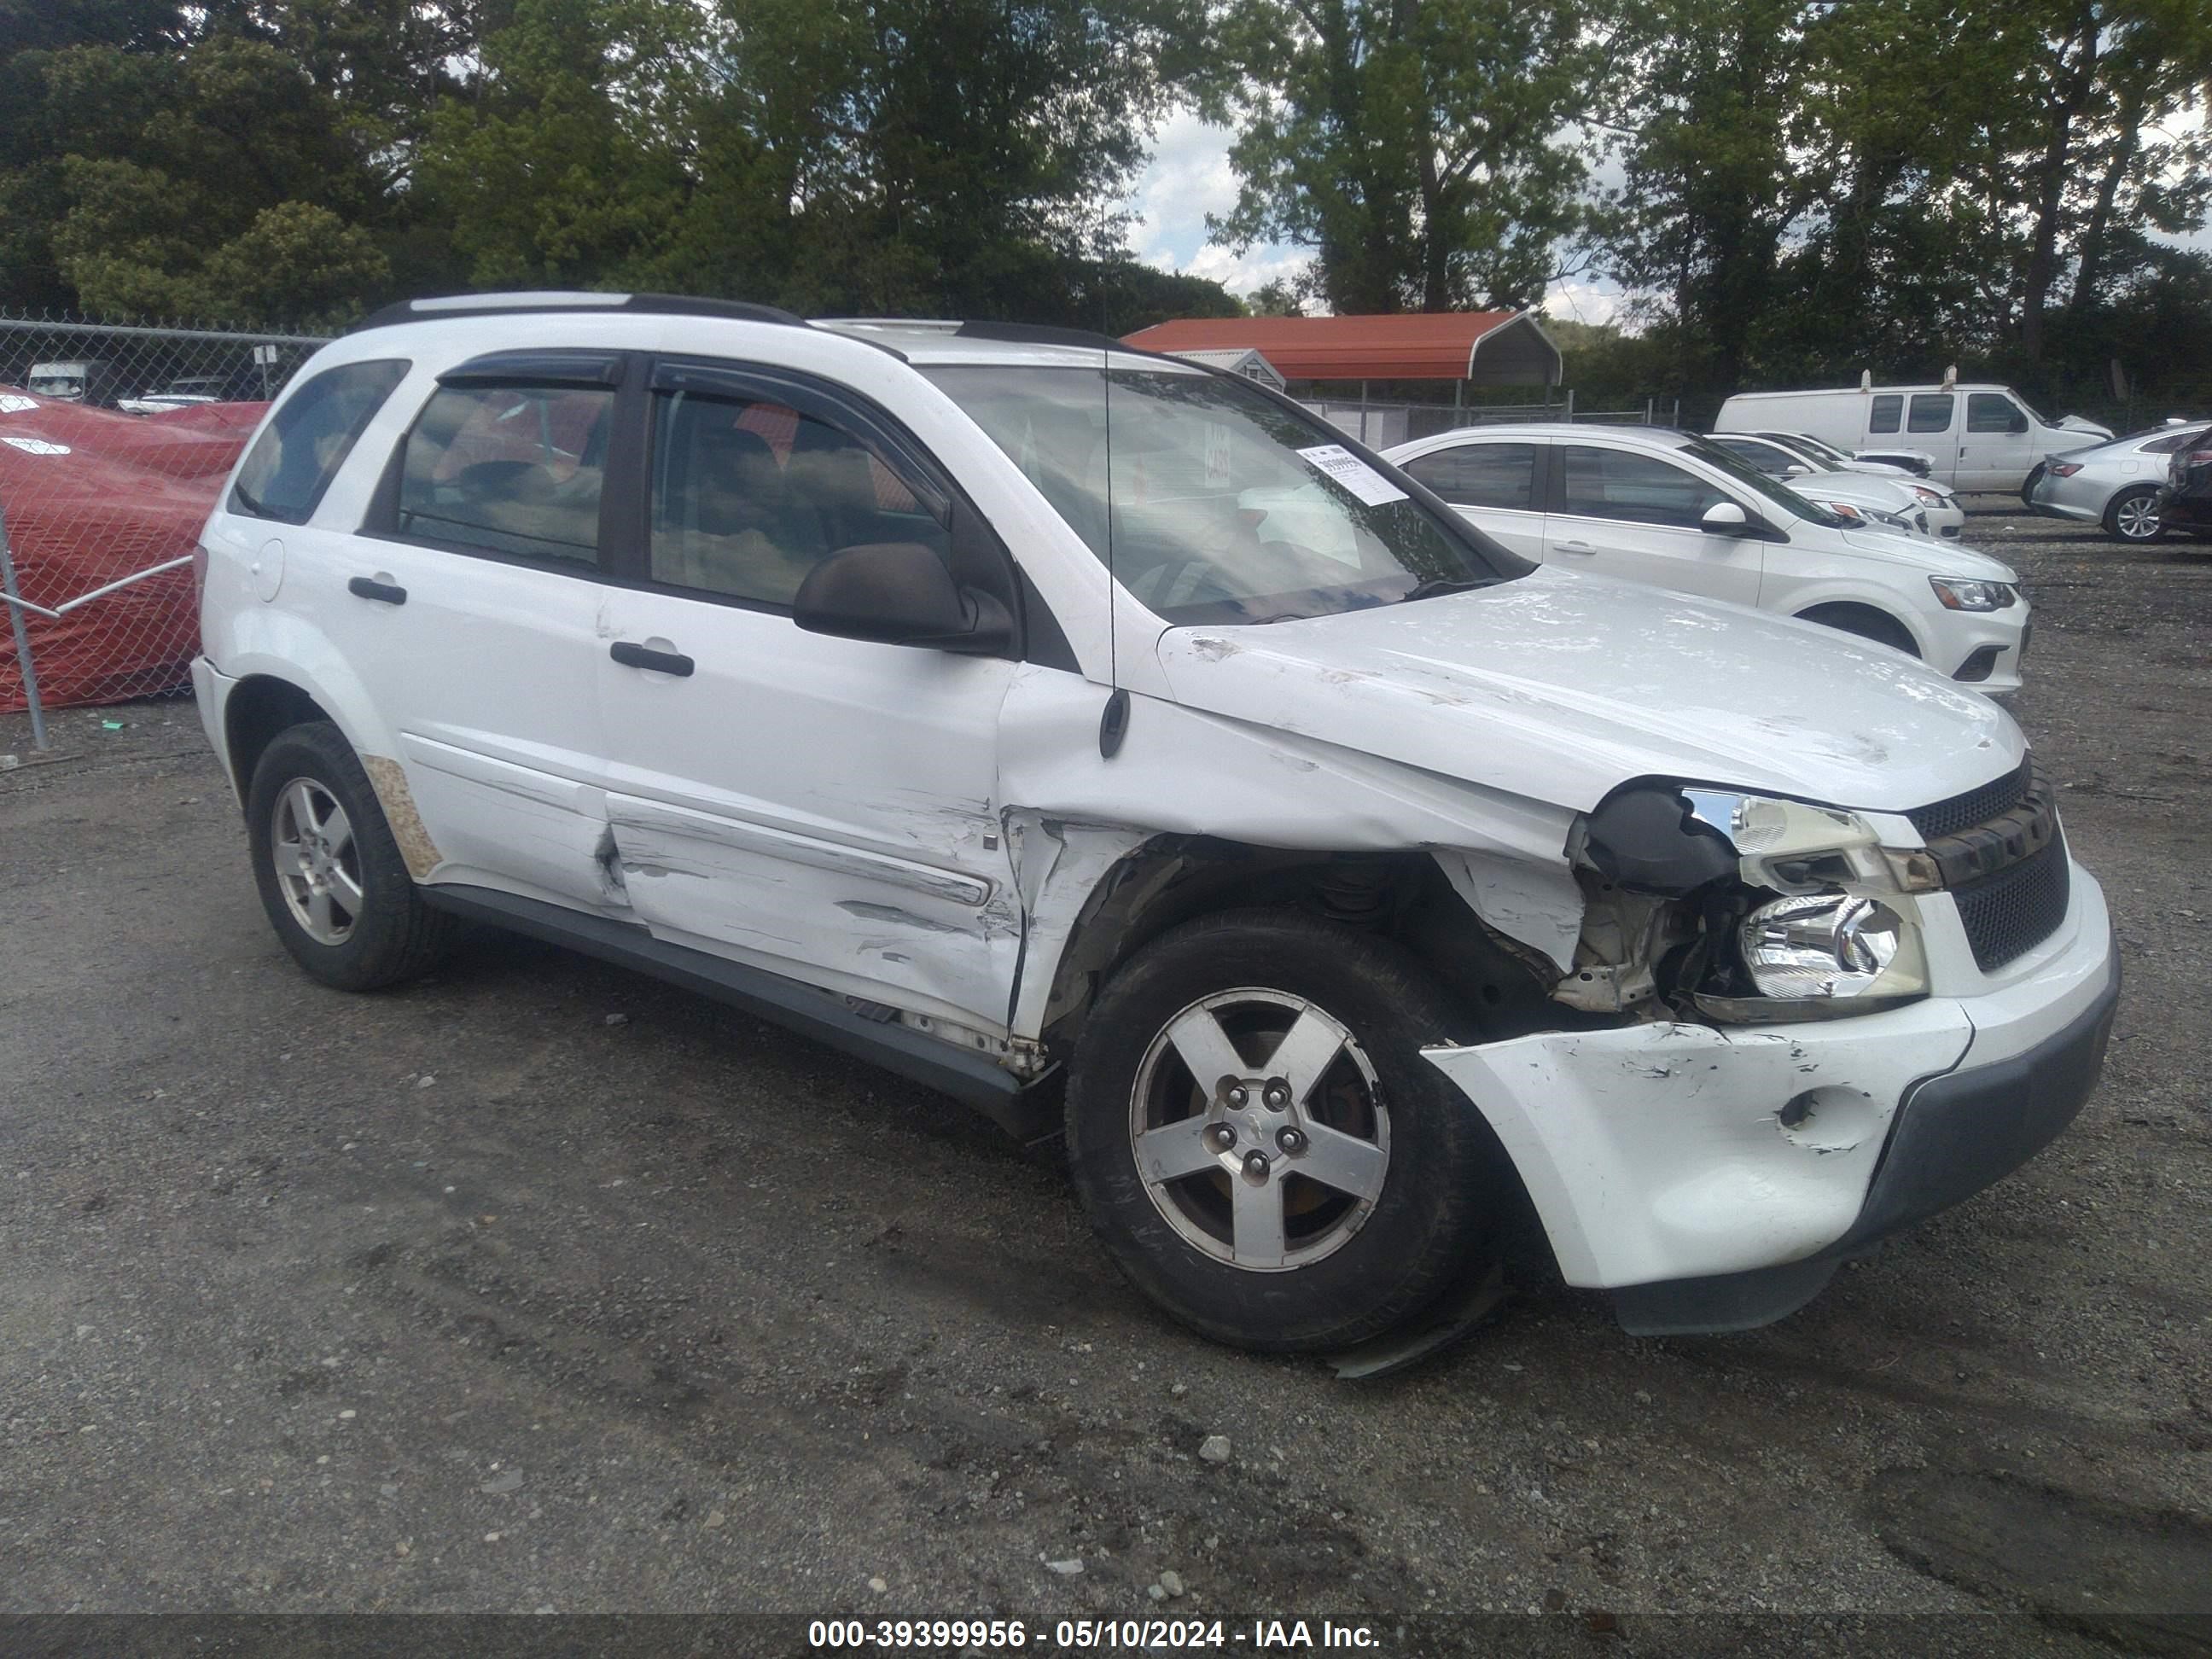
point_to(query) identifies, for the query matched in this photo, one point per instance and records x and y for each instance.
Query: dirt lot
(542, 1286)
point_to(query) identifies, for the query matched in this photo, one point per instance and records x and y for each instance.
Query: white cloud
(1189, 177)
(1576, 300)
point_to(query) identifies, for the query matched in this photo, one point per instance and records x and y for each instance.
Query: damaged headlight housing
(1820, 944)
(1843, 938)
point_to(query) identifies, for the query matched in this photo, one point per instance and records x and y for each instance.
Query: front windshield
(1773, 488)
(1211, 502)
(58, 385)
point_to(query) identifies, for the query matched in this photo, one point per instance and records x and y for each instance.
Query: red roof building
(1486, 348)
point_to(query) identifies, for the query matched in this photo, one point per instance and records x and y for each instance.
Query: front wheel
(2132, 515)
(1260, 1143)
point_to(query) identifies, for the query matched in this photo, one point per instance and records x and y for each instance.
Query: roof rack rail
(510, 304)
(1048, 334)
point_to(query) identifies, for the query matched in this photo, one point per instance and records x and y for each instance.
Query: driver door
(1996, 448)
(1626, 513)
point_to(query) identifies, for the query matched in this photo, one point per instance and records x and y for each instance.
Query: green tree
(1417, 146)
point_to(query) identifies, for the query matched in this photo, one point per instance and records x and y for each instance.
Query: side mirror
(899, 594)
(1727, 519)
(1794, 471)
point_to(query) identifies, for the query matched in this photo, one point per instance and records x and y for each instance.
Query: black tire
(1864, 623)
(2118, 515)
(1442, 1189)
(392, 936)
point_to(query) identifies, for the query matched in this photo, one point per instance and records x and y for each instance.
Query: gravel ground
(542, 1286)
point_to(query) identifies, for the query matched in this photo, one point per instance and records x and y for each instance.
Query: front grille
(1976, 807)
(2010, 912)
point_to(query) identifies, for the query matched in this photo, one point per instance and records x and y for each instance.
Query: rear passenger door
(1628, 514)
(468, 605)
(822, 808)
(1492, 484)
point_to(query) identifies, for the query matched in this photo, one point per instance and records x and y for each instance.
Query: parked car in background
(2116, 484)
(1676, 511)
(76, 380)
(1888, 462)
(1982, 437)
(1362, 881)
(1946, 518)
(1887, 496)
(2184, 505)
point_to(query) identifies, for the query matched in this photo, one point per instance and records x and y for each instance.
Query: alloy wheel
(318, 866)
(1259, 1129)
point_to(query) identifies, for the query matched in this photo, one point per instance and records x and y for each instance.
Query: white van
(1982, 437)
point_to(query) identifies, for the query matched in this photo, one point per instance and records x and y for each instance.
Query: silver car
(2114, 484)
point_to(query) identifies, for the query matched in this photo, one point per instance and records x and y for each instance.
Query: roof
(1237, 360)
(1499, 348)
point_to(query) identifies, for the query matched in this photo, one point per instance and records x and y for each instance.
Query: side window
(1767, 457)
(2168, 446)
(747, 496)
(1617, 484)
(1883, 417)
(510, 470)
(1989, 411)
(300, 451)
(1481, 475)
(1931, 412)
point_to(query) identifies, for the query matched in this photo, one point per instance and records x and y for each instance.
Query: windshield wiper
(1434, 587)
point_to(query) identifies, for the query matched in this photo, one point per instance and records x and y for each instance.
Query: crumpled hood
(1558, 687)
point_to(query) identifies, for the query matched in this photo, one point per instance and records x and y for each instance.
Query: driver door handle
(1576, 547)
(631, 655)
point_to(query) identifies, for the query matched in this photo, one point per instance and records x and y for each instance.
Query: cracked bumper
(1712, 1179)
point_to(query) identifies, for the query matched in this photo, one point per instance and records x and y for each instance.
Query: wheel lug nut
(1277, 1094)
(1238, 1095)
(1221, 1137)
(1292, 1141)
(1255, 1165)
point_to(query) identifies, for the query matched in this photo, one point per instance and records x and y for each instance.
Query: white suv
(1678, 511)
(1102, 739)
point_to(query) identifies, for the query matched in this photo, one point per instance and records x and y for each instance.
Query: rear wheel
(1259, 1142)
(331, 878)
(2132, 515)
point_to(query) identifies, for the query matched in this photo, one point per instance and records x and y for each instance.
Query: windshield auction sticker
(1335, 461)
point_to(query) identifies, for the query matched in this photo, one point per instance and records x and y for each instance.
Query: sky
(1189, 177)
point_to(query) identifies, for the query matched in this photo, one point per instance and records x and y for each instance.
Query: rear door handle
(1576, 547)
(630, 655)
(368, 587)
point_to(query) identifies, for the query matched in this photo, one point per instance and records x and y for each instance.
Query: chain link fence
(114, 440)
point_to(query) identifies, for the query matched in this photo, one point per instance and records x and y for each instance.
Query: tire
(1426, 1187)
(330, 876)
(1864, 623)
(2132, 515)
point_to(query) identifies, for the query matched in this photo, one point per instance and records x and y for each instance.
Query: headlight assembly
(1958, 595)
(1843, 936)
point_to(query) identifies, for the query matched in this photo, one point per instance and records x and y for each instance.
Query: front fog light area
(1823, 944)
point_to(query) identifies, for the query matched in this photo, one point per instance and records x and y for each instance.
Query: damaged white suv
(1101, 739)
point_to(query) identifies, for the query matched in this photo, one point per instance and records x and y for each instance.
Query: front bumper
(1713, 1180)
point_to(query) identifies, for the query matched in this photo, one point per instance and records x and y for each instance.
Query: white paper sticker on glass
(1354, 474)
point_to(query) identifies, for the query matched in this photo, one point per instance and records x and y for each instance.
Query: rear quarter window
(1883, 416)
(304, 443)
